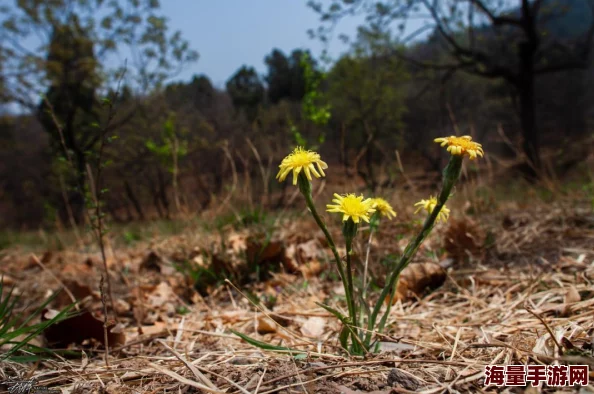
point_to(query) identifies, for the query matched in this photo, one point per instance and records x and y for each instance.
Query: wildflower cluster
(356, 209)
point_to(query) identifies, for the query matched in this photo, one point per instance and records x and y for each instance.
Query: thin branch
(496, 20)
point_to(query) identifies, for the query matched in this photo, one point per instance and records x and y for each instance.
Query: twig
(225, 149)
(292, 334)
(189, 365)
(264, 173)
(260, 381)
(43, 267)
(533, 313)
(69, 209)
(105, 316)
(95, 183)
(183, 380)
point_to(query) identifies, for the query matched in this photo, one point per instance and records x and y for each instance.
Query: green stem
(450, 176)
(373, 224)
(351, 290)
(310, 204)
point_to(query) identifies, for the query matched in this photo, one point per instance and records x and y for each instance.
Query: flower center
(463, 143)
(302, 158)
(352, 206)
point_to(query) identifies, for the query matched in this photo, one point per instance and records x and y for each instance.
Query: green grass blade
(343, 319)
(33, 331)
(5, 306)
(40, 309)
(266, 346)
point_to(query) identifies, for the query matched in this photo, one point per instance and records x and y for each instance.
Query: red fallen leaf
(79, 328)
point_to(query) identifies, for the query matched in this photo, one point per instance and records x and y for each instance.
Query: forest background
(516, 75)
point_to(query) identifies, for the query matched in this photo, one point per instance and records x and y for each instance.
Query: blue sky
(230, 33)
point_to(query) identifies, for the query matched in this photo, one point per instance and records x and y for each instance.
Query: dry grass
(532, 275)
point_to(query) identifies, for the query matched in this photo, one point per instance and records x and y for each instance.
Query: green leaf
(266, 346)
(344, 337)
(364, 305)
(346, 330)
(339, 316)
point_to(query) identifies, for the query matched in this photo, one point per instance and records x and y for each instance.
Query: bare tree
(507, 39)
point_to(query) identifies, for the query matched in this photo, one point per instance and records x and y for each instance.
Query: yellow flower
(462, 146)
(384, 208)
(301, 159)
(429, 206)
(352, 207)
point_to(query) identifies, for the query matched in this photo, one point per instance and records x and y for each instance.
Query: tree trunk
(163, 192)
(129, 215)
(132, 197)
(344, 150)
(77, 197)
(155, 192)
(113, 211)
(531, 144)
(525, 85)
(371, 182)
(174, 175)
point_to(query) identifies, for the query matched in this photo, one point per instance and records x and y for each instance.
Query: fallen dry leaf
(265, 325)
(417, 278)
(290, 258)
(298, 255)
(545, 345)
(311, 269)
(314, 327)
(78, 329)
(259, 250)
(7, 281)
(155, 329)
(78, 290)
(463, 239)
(50, 314)
(572, 295)
(122, 307)
(162, 294)
(154, 262)
(237, 242)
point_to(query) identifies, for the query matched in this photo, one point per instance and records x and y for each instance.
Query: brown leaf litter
(527, 297)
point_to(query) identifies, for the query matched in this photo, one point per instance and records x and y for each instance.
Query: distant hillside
(566, 19)
(558, 20)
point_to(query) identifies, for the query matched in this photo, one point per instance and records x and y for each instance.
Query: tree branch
(495, 20)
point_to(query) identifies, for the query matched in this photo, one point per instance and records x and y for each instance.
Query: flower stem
(450, 176)
(372, 227)
(310, 204)
(351, 291)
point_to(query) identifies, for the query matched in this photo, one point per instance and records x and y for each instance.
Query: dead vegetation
(485, 289)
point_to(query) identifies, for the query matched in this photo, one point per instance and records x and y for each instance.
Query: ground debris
(536, 275)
